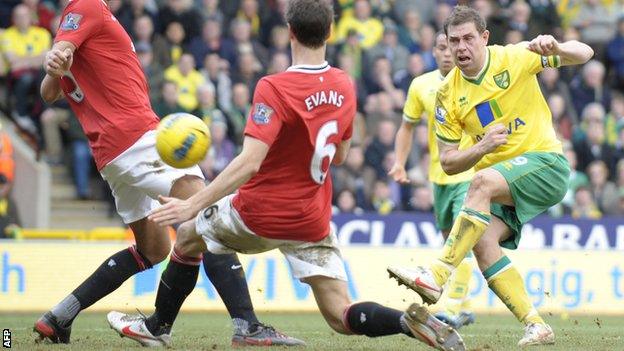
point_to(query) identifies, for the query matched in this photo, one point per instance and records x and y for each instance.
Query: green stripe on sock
(477, 214)
(496, 267)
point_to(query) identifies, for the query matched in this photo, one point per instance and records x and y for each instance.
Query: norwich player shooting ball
(182, 140)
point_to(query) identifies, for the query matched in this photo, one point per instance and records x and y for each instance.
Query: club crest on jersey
(440, 114)
(502, 79)
(262, 114)
(71, 21)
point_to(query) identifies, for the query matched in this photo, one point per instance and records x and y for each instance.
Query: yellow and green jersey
(421, 98)
(506, 92)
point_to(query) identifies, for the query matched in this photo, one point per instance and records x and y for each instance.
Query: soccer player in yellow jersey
(493, 96)
(449, 191)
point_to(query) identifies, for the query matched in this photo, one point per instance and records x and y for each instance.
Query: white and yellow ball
(182, 140)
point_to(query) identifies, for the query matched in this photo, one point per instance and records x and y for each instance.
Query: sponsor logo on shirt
(262, 114)
(71, 21)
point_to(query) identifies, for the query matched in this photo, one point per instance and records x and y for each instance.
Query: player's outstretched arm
(238, 172)
(342, 152)
(455, 161)
(571, 52)
(402, 147)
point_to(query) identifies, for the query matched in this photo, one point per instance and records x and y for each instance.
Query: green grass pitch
(211, 331)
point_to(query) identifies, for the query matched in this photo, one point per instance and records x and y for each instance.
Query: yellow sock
(508, 285)
(466, 232)
(458, 287)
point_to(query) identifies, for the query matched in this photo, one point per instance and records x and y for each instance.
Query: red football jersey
(107, 88)
(303, 114)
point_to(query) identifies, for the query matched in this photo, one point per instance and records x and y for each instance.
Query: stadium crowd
(206, 56)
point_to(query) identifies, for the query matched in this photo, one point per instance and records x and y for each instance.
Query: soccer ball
(182, 140)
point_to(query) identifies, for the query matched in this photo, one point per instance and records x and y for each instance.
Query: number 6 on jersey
(322, 150)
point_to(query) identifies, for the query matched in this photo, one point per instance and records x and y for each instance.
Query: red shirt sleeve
(266, 116)
(81, 20)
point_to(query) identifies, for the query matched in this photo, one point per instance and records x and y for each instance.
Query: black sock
(110, 275)
(227, 275)
(372, 319)
(176, 283)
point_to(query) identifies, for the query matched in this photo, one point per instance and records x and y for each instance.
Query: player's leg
(152, 247)
(507, 283)
(224, 271)
(487, 186)
(448, 201)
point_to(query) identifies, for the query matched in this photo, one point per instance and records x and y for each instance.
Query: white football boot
(133, 327)
(420, 280)
(431, 330)
(537, 334)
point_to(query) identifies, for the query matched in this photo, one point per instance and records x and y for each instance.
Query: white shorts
(223, 230)
(137, 176)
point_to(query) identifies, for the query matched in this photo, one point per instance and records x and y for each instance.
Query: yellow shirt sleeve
(532, 62)
(413, 109)
(448, 128)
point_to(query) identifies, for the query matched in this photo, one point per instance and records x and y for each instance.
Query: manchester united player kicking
(301, 121)
(94, 66)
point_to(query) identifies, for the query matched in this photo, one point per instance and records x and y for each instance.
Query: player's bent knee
(157, 253)
(188, 242)
(186, 185)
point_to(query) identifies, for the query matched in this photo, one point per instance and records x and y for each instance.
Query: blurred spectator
(584, 205)
(563, 123)
(52, 120)
(620, 211)
(589, 86)
(615, 55)
(550, 83)
(168, 102)
(211, 42)
(496, 22)
(442, 12)
(390, 48)
(187, 79)
(237, 115)
(132, 10)
(215, 71)
(345, 203)
(520, 13)
(409, 31)
(427, 35)
(620, 174)
(181, 11)
(605, 192)
(82, 160)
(425, 8)
(23, 46)
(222, 150)
(151, 69)
(382, 144)
(280, 40)
(379, 108)
(380, 80)
(9, 217)
(595, 21)
(577, 179)
(42, 12)
(279, 63)
(276, 18)
(422, 199)
(169, 51)
(415, 68)
(248, 11)
(382, 201)
(210, 10)
(544, 18)
(351, 54)
(243, 42)
(207, 109)
(594, 145)
(144, 34)
(249, 70)
(355, 176)
(513, 37)
(615, 119)
(369, 29)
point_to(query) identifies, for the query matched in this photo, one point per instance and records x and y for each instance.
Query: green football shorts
(537, 181)
(447, 201)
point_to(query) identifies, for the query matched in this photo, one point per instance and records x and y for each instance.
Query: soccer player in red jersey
(300, 122)
(93, 64)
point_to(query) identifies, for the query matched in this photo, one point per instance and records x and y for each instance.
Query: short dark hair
(310, 21)
(464, 14)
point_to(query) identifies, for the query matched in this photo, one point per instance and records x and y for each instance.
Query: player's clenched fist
(57, 62)
(493, 138)
(544, 45)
